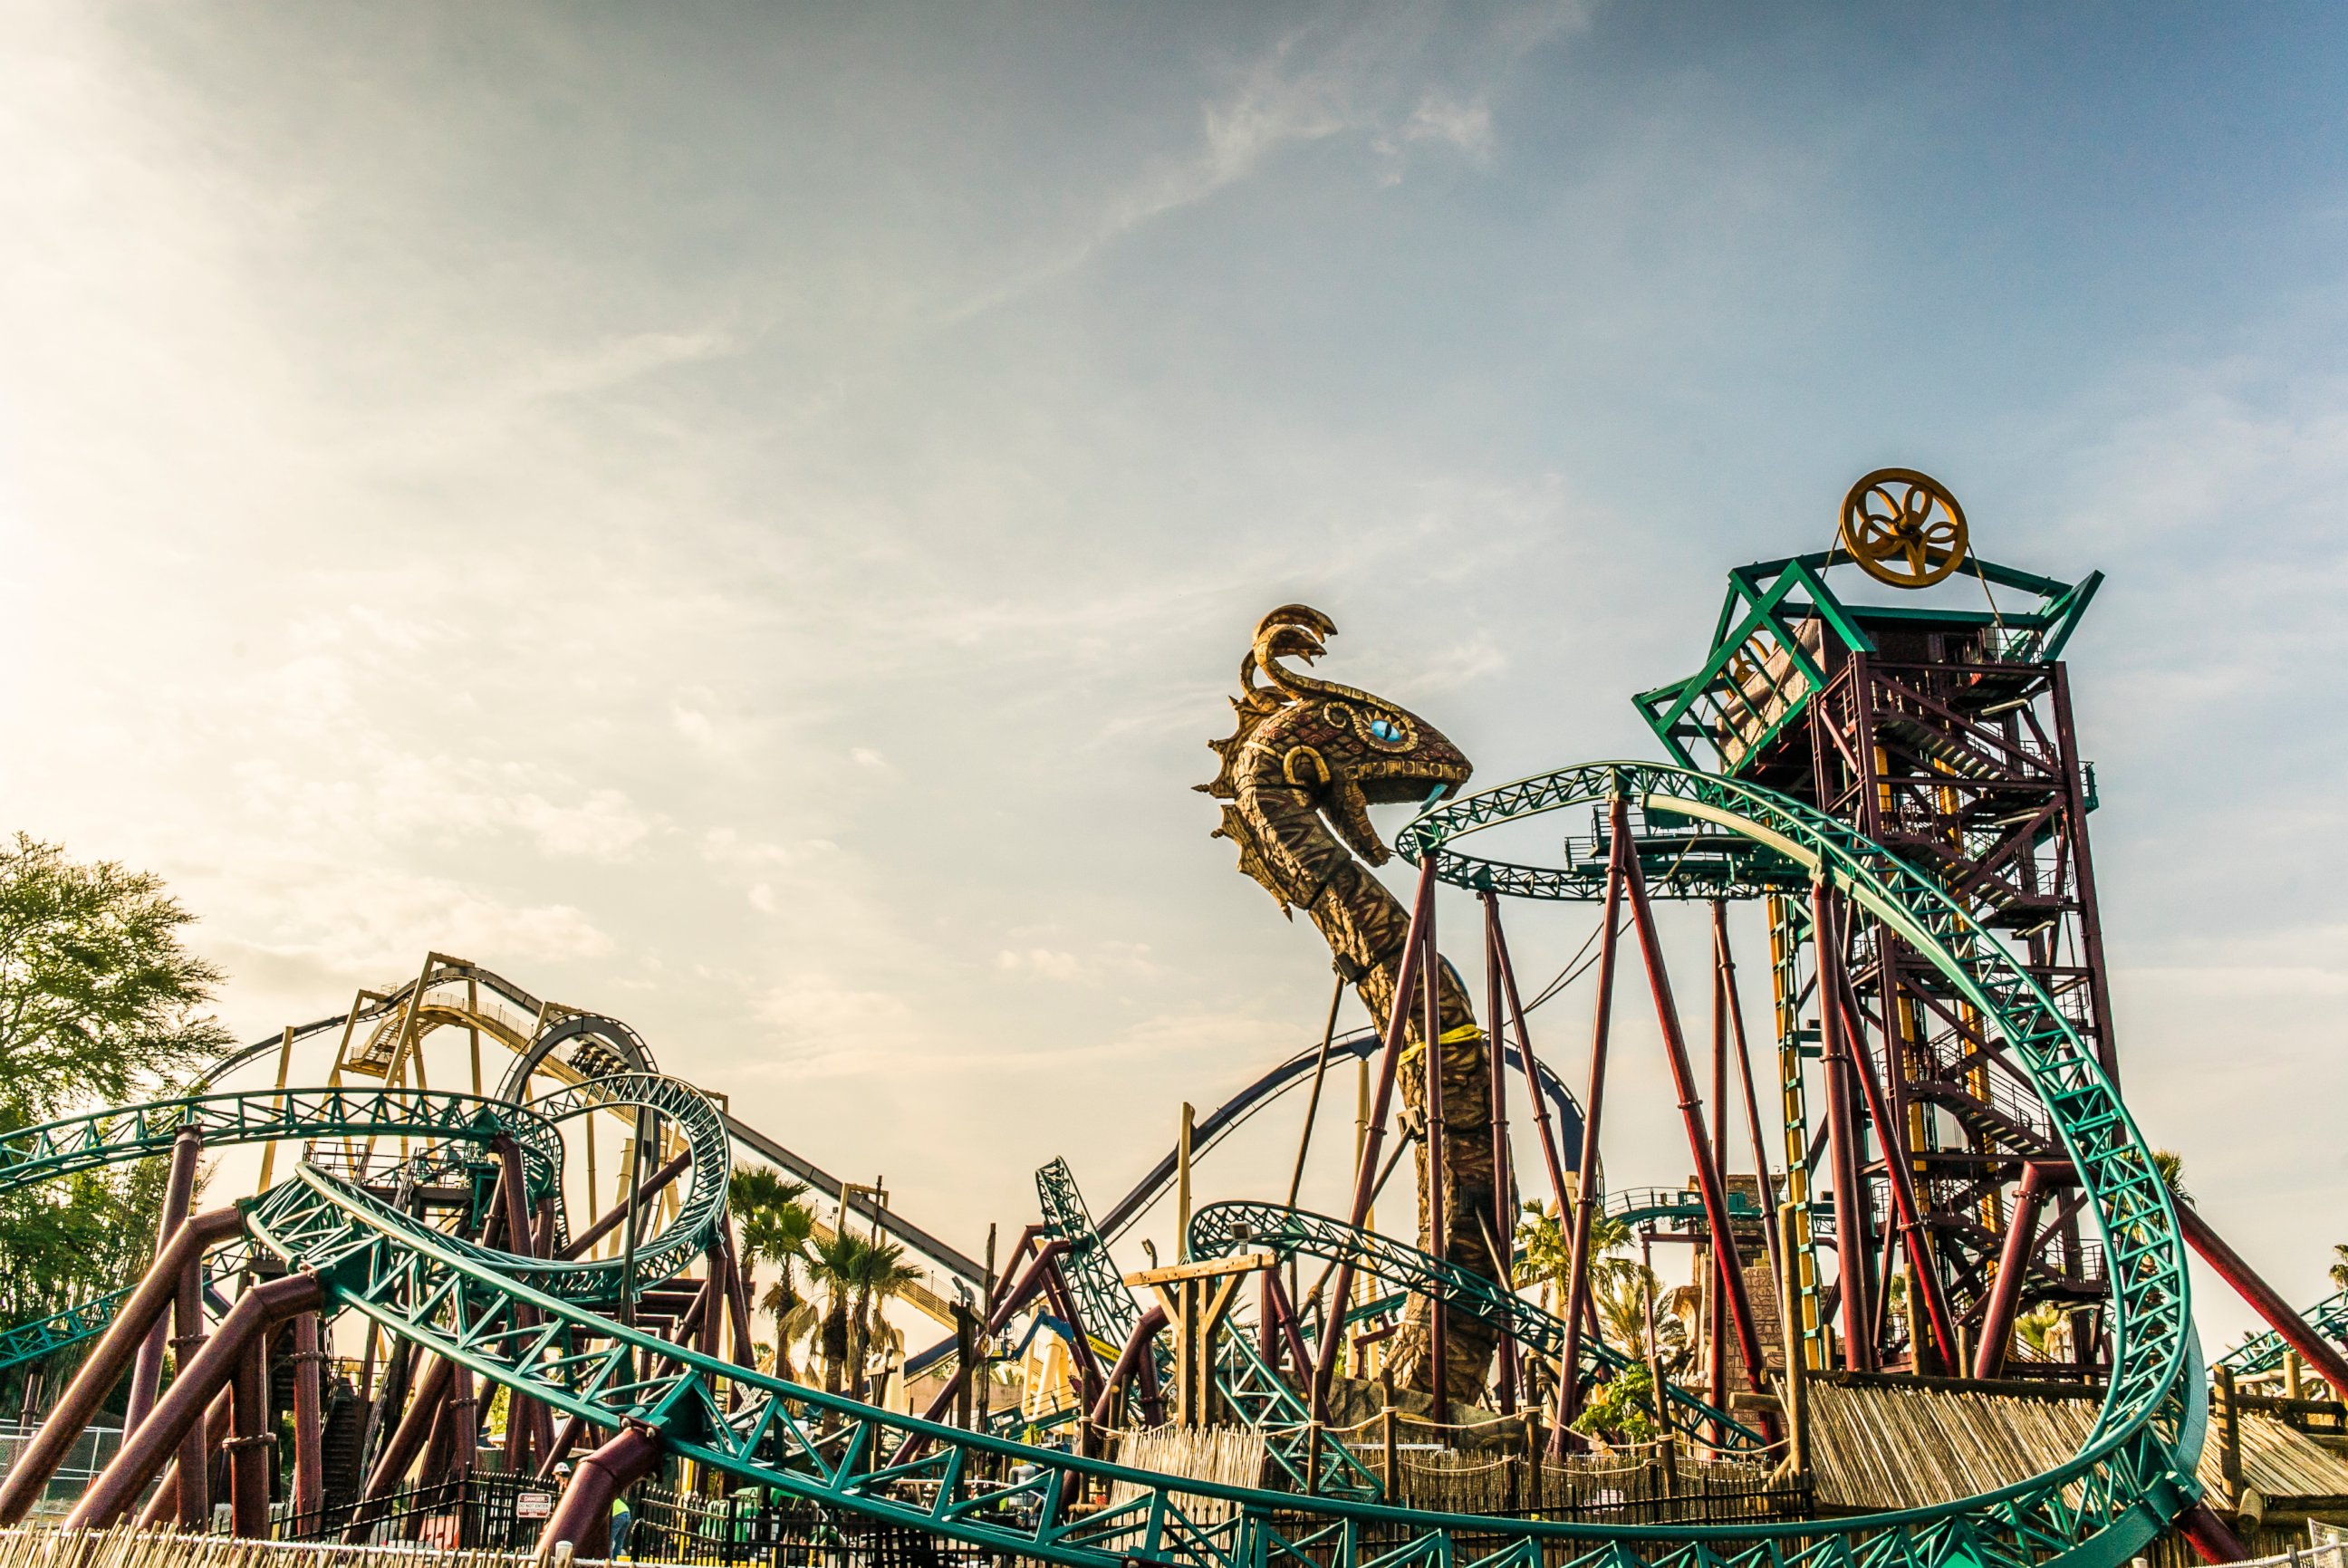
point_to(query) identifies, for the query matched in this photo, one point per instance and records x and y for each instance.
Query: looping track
(532, 1326)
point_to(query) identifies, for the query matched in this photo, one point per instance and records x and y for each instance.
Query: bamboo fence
(127, 1546)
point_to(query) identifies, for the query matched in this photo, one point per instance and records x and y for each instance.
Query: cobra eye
(1384, 729)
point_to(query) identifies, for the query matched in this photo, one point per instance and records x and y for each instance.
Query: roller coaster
(447, 1229)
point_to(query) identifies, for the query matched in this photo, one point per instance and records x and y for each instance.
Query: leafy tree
(2339, 1270)
(99, 1005)
(99, 1000)
(1622, 1408)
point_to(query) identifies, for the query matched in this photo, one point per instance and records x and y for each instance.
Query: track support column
(179, 1191)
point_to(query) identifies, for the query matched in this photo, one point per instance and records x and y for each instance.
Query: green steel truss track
(69, 1325)
(2264, 1352)
(1110, 1315)
(1263, 1399)
(1220, 1229)
(87, 1319)
(488, 1310)
(111, 1137)
(1260, 1396)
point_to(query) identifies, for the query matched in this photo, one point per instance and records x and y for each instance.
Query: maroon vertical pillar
(250, 1449)
(2013, 1264)
(1525, 1062)
(1504, 1230)
(1852, 1231)
(179, 1191)
(181, 1407)
(309, 1459)
(1438, 1208)
(1365, 1173)
(1726, 1265)
(1768, 1190)
(1716, 1331)
(1908, 1215)
(1594, 1110)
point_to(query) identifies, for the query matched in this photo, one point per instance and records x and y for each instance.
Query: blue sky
(745, 518)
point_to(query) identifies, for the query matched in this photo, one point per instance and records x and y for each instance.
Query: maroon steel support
(1006, 1307)
(566, 1437)
(309, 1459)
(2013, 1265)
(195, 1449)
(1924, 1277)
(1716, 1328)
(1291, 1333)
(1103, 1414)
(1842, 1132)
(2210, 1535)
(1504, 1227)
(406, 1441)
(1768, 1192)
(1594, 1110)
(251, 1450)
(737, 1302)
(1438, 1134)
(1525, 1062)
(2317, 1351)
(1080, 1350)
(164, 1506)
(1365, 1172)
(179, 1191)
(116, 1350)
(582, 1516)
(528, 1424)
(181, 1407)
(649, 1189)
(1726, 1265)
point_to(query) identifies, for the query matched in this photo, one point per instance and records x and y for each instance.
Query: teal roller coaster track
(534, 1326)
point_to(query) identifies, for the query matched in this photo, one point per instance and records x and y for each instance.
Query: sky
(744, 517)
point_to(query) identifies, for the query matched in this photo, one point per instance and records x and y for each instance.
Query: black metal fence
(753, 1528)
(483, 1511)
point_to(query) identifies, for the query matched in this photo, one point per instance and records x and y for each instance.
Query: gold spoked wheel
(1903, 528)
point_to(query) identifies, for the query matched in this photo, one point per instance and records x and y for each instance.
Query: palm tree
(776, 1227)
(834, 1264)
(2037, 1329)
(881, 1274)
(1545, 1253)
(2169, 1166)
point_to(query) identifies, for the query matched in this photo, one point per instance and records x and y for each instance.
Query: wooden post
(1794, 1389)
(1386, 1437)
(2229, 1423)
(1182, 1186)
(2291, 1385)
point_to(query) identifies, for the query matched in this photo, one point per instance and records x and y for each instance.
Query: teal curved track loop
(2135, 1469)
(1219, 1230)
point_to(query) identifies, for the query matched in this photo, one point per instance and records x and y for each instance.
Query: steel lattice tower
(1943, 732)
